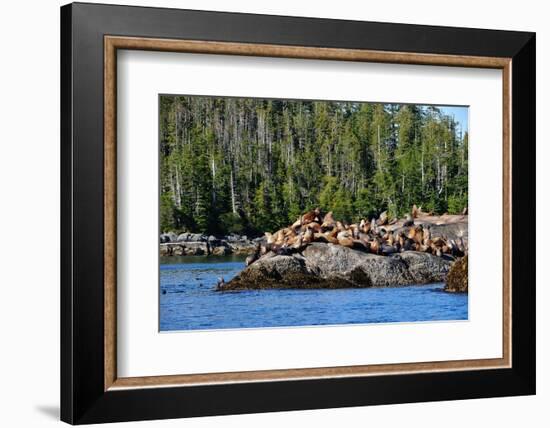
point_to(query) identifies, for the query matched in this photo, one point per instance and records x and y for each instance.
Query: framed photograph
(266, 213)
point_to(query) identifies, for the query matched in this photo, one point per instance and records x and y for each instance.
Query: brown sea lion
(308, 236)
(316, 227)
(409, 220)
(374, 246)
(298, 243)
(328, 222)
(297, 224)
(416, 233)
(354, 231)
(320, 237)
(359, 244)
(373, 226)
(331, 236)
(311, 216)
(279, 237)
(345, 241)
(269, 238)
(254, 256)
(364, 226)
(343, 234)
(382, 219)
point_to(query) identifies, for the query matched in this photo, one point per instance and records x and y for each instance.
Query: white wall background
(29, 218)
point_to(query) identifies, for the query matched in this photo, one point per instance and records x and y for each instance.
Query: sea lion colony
(382, 236)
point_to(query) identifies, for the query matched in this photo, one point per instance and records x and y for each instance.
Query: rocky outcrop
(196, 244)
(334, 266)
(455, 231)
(457, 279)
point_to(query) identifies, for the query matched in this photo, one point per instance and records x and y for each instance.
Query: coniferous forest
(246, 165)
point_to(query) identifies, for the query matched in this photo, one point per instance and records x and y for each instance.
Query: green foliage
(251, 165)
(232, 223)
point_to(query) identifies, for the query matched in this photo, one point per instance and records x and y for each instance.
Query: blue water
(188, 301)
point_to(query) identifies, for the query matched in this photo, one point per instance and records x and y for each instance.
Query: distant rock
(183, 237)
(221, 251)
(242, 247)
(199, 244)
(334, 266)
(168, 237)
(184, 249)
(453, 231)
(197, 237)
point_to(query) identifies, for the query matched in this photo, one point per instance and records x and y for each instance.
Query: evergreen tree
(230, 165)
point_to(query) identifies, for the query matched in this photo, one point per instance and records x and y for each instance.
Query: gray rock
(457, 279)
(183, 237)
(196, 237)
(178, 250)
(240, 247)
(333, 266)
(453, 231)
(196, 248)
(165, 250)
(168, 237)
(221, 250)
(184, 249)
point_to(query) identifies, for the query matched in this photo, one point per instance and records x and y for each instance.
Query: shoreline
(196, 244)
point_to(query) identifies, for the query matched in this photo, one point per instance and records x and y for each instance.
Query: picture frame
(91, 35)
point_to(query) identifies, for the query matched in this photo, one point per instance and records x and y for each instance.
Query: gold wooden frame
(113, 43)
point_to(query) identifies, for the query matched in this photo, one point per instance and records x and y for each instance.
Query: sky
(460, 114)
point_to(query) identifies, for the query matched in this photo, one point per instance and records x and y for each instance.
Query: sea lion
(409, 221)
(382, 219)
(331, 236)
(343, 234)
(328, 222)
(455, 250)
(360, 245)
(345, 241)
(374, 246)
(354, 231)
(254, 256)
(316, 227)
(386, 249)
(416, 233)
(283, 250)
(310, 216)
(297, 224)
(269, 238)
(298, 243)
(364, 226)
(308, 236)
(320, 237)
(373, 226)
(409, 245)
(417, 212)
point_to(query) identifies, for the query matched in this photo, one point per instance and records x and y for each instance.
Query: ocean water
(188, 301)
